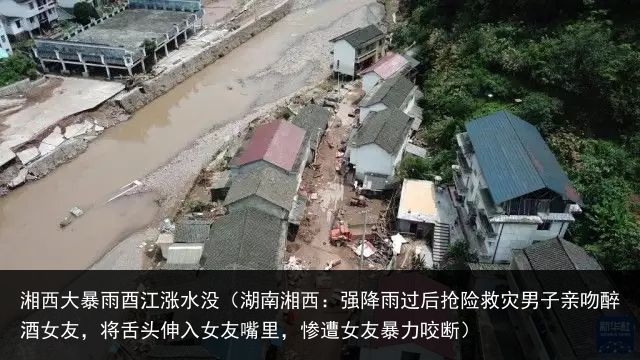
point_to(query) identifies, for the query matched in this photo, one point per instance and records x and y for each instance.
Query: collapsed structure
(119, 42)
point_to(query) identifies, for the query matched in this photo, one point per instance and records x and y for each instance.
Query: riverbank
(46, 144)
(290, 55)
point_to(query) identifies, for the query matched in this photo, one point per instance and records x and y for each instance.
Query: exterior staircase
(440, 241)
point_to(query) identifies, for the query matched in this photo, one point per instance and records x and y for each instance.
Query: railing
(486, 226)
(365, 55)
(462, 161)
(459, 183)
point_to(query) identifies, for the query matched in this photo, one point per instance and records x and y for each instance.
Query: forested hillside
(571, 67)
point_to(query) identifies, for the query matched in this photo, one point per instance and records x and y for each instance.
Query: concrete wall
(364, 111)
(20, 86)
(371, 158)
(136, 99)
(369, 80)
(344, 57)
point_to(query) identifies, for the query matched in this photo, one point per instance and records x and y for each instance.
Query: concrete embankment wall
(153, 88)
(20, 86)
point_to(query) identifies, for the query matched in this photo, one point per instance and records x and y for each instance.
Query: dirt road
(291, 54)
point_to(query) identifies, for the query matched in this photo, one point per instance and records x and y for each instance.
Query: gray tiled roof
(314, 119)
(392, 92)
(360, 36)
(387, 128)
(192, 231)
(247, 239)
(268, 183)
(556, 254)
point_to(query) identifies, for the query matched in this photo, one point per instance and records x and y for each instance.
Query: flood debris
(76, 211)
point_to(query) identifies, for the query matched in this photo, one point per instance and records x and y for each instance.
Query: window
(3, 39)
(31, 6)
(18, 24)
(407, 355)
(31, 20)
(546, 225)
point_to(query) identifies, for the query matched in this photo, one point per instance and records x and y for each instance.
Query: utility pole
(364, 233)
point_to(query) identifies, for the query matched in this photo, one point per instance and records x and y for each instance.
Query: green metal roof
(514, 158)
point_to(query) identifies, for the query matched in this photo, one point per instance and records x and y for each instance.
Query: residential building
(184, 246)
(278, 144)
(357, 49)
(314, 119)
(248, 239)
(395, 93)
(5, 46)
(23, 18)
(264, 188)
(422, 213)
(512, 187)
(376, 147)
(558, 332)
(388, 66)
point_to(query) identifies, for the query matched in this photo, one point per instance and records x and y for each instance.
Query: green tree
(84, 12)
(16, 67)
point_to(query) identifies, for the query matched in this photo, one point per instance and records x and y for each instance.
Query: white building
(377, 146)
(357, 49)
(21, 18)
(514, 191)
(5, 46)
(395, 93)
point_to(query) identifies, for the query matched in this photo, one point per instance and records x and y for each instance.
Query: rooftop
(557, 254)
(418, 201)
(131, 27)
(314, 119)
(514, 158)
(360, 36)
(387, 66)
(268, 183)
(387, 128)
(192, 231)
(248, 239)
(392, 92)
(278, 142)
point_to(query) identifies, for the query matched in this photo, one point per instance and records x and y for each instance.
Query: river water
(277, 62)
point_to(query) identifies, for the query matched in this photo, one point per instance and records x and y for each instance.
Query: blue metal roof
(514, 158)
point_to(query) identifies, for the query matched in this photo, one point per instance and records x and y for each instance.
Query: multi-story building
(357, 49)
(23, 18)
(5, 46)
(513, 189)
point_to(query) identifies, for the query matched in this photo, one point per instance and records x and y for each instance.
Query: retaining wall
(153, 88)
(20, 86)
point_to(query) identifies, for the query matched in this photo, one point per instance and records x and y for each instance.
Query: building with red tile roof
(279, 143)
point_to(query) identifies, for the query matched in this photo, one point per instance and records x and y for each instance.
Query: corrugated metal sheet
(387, 66)
(514, 158)
(277, 142)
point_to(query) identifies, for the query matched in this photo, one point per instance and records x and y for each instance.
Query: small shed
(417, 211)
(220, 183)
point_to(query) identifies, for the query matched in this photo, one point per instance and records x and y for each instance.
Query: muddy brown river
(275, 63)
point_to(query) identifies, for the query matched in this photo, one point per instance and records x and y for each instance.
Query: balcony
(485, 225)
(461, 188)
(462, 161)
